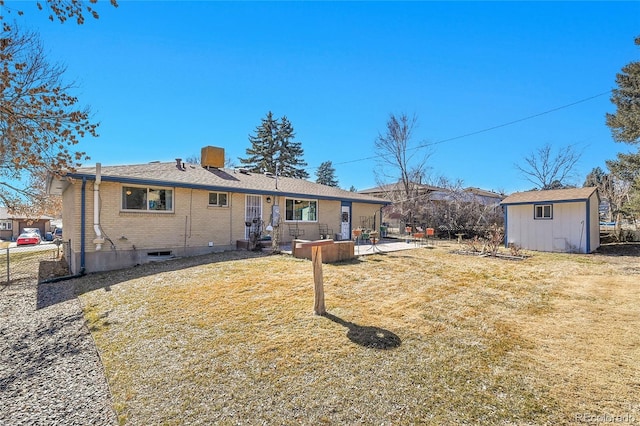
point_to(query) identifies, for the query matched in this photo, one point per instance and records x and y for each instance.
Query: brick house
(119, 216)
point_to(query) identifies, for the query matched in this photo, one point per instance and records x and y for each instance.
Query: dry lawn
(421, 336)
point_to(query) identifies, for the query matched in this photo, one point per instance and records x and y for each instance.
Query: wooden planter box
(336, 252)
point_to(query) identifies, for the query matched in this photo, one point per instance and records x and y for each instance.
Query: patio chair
(325, 232)
(295, 231)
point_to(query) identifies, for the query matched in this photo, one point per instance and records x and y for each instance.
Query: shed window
(543, 211)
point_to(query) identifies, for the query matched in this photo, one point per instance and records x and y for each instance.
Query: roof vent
(268, 174)
(180, 165)
(244, 171)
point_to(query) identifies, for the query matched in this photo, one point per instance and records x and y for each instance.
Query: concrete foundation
(108, 260)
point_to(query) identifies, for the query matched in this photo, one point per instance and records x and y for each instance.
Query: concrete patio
(385, 245)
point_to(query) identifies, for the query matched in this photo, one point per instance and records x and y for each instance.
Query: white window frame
(147, 199)
(6, 225)
(292, 217)
(217, 203)
(539, 212)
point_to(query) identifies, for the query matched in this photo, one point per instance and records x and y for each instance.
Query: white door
(253, 211)
(345, 223)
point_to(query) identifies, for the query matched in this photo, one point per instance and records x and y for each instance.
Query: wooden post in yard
(318, 285)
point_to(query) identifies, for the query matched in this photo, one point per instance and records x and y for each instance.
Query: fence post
(8, 277)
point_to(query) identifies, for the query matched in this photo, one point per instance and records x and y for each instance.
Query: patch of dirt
(497, 256)
(52, 269)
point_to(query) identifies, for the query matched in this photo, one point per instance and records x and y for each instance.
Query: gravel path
(50, 370)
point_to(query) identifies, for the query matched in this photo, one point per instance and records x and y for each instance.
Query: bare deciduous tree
(549, 170)
(63, 9)
(401, 164)
(40, 120)
(454, 209)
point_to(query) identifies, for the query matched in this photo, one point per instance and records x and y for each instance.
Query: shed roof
(213, 179)
(551, 195)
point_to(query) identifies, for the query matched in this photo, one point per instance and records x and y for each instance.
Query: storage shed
(559, 220)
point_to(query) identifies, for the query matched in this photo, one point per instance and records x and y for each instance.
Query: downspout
(99, 240)
(83, 211)
(506, 228)
(231, 220)
(82, 223)
(588, 227)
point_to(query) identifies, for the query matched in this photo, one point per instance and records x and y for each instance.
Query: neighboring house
(390, 190)
(12, 225)
(433, 199)
(559, 220)
(118, 216)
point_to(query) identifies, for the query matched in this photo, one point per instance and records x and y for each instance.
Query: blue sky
(167, 78)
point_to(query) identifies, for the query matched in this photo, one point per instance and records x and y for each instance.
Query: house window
(147, 199)
(301, 210)
(543, 211)
(218, 199)
(5, 225)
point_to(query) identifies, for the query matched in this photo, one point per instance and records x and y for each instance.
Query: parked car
(57, 233)
(48, 236)
(32, 231)
(27, 238)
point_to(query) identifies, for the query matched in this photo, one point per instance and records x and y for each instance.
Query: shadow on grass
(367, 336)
(619, 249)
(57, 292)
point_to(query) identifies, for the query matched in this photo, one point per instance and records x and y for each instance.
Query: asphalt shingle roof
(213, 179)
(572, 194)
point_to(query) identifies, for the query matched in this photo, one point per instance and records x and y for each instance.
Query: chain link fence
(33, 262)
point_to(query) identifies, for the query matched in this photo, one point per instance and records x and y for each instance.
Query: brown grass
(413, 337)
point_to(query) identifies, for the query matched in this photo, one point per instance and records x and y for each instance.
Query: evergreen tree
(595, 178)
(624, 124)
(625, 127)
(273, 144)
(326, 174)
(264, 146)
(290, 161)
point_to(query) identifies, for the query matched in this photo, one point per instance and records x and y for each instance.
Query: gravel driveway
(50, 370)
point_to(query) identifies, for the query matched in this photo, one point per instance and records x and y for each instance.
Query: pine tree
(290, 161)
(326, 174)
(264, 146)
(624, 124)
(625, 127)
(273, 144)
